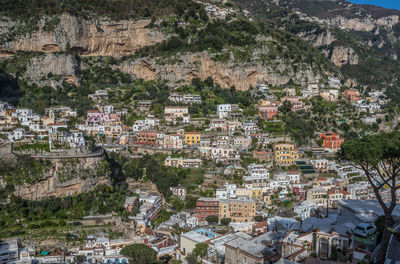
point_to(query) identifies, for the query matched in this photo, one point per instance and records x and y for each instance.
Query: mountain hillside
(362, 40)
(74, 46)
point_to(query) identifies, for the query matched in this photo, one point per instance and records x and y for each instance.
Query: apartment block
(285, 153)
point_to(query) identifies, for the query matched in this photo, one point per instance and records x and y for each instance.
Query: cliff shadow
(9, 88)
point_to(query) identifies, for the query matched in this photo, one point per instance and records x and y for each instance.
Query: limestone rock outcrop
(201, 65)
(65, 177)
(96, 37)
(61, 66)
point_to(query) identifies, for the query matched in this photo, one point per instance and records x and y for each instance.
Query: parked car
(365, 229)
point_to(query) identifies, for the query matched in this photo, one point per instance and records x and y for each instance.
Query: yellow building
(250, 193)
(192, 138)
(285, 153)
(239, 210)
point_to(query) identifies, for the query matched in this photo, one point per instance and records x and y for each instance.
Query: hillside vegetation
(377, 67)
(116, 9)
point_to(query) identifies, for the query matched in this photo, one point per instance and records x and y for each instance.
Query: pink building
(218, 123)
(95, 117)
(267, 112)
(295, 101)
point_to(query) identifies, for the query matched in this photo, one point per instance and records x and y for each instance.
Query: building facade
(285, 153)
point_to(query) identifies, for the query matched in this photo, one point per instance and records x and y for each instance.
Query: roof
(57, 124)
(261, 224)
(254, 249)
(364, 225)
(366, 206)
(312, 223)
(176, 107)
(198, 236)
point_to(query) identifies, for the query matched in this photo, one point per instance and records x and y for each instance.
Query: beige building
(179, 191)
(263, 155)
(242, 143)
(243, 251)
(318, 196)
(183, 163)
(171, 142)
(190, 239)
(172, 114)
(250, 193)
(239, 210)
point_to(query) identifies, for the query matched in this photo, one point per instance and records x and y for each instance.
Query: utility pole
(327, 204)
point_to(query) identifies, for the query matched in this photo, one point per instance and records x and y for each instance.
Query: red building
(331, 140)
(267, 112)
(299, 191)
(205, 207)
(146, 138)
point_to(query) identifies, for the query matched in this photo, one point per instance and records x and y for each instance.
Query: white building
(109, 109)
(334, 82)
(17, 134)
(250, 127)
(291, 176)
(322, 164)
(150, 205)
(226, 191)
(224, 110)
(304, 209)
(9, 252)
(275, 184)
(258, 176)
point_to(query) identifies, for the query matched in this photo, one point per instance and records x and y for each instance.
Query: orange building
(352, 95)
(205, 207)
(331, 140)
(146, 138)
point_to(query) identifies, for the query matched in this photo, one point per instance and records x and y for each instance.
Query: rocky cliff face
(201, 65)
(363, 24)
(66, 177)
(58, 66)
(55, 38)
(340, 55)
(97, 37)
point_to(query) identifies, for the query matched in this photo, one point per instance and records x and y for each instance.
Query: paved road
(393, 253)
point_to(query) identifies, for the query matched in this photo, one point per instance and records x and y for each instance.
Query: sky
(391, 4)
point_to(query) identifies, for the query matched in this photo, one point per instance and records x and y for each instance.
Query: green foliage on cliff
(150, 168)
(237, 39)
(116, 9)
(376, 69)
(26, 170)
(299, 126)
(52, 212)
(36, 147)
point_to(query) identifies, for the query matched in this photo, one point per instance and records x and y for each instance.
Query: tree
(212, 219)
(177, 203)
(258, 218)
(226, 221)
(140, 254)
(192, 259)
(190, 202)
(286, 107)
(80, 259)
(200, 250)
(379, 157)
